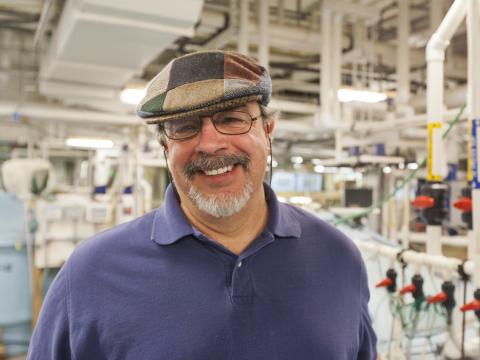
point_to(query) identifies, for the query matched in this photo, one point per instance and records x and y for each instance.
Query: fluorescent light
(348, 95)
(304, 200)
(132, 96)
(90, 143)
(387, 170)
(296, 159)
(319, 168)
(412, 166)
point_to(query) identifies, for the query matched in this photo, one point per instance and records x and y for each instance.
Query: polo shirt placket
(239, 277)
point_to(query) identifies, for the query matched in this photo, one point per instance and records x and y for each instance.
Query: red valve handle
(408, 289)
(440, 297)
(471, 306)
(423, 202)
(384, 283)
(464, 204)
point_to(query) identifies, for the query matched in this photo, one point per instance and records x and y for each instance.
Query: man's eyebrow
(243, 107)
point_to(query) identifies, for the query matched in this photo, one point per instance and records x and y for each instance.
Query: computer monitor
(360, 197)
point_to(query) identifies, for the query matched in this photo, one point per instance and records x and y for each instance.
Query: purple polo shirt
(156, 288)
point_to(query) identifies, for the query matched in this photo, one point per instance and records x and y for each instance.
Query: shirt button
(239, 264)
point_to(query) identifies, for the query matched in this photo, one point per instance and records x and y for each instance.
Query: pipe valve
(390, 282)
(445, 297)
(415, 288)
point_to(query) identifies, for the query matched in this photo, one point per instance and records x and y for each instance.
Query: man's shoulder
(117, 240)
(318, 231)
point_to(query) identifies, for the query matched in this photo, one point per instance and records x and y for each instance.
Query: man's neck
(235, 232)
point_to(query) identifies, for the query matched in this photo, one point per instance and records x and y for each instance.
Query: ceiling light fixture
(89, 143)
(365, 96)
(132, 95)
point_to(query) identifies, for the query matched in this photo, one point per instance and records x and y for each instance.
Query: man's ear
(269, 126)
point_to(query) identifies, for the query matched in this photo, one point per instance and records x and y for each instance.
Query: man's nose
(209, 139)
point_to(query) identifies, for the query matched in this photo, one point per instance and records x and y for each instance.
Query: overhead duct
(107, 42)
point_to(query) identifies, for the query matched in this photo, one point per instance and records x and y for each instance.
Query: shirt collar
(170, 224)
(281, 219)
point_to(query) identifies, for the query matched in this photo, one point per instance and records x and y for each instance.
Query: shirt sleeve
(368, 339)
(51, 336)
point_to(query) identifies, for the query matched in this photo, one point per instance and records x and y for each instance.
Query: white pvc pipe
(435, 55)
(434, 234)
(263, 50)
(412, 257)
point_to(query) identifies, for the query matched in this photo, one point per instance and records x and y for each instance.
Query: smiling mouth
(219, 171)
(215, 165)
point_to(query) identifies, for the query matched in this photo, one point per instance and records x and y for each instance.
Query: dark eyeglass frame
(213, 117)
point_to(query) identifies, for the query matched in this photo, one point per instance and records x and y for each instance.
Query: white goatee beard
(220, 205)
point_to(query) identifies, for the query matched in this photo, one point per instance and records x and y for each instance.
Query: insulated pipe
(263, 25)
(412, 257)
(42, 112)
(403, 53)
(243, 29)
(473, 99)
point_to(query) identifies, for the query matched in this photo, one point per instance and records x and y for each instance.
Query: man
(222, 270)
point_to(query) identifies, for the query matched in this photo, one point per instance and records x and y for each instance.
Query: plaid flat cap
(204, 82)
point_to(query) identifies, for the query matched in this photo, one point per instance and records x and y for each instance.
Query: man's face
(218, 173)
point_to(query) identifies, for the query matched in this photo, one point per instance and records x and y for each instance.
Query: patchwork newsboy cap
(204, 82)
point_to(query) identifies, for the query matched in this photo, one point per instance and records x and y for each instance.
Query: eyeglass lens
(229, 122)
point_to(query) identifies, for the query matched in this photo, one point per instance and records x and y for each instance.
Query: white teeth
(219, 171)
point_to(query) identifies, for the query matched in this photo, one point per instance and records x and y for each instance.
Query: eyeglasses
(226, 122)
